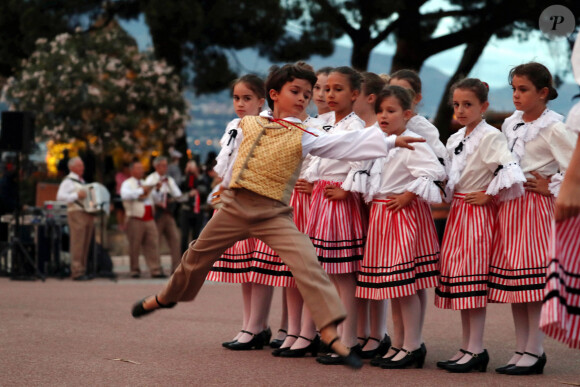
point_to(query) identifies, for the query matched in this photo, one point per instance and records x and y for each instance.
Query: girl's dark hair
(279, 76)
(479, 88)
(324, 70)
(354, 77)
(253, 82)
(403, 95)
(410, 76)
(372, 83)
(538, 74)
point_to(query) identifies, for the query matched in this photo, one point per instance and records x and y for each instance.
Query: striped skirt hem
(465, 255)
(560, 317)
(521, 245)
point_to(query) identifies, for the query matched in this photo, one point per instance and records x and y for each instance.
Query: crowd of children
(356, 183)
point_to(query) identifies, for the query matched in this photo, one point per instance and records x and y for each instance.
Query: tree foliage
(97, 87)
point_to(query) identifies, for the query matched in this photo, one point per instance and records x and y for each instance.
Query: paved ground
(64, 333)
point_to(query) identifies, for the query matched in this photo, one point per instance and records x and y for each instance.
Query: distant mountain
(212, 112)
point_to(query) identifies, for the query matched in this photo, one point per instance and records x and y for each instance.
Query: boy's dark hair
(479, 88)
(279, 76)
(410, 76)
(403, 95)
(372, 83)
(354, 77)
(538, 74)
(253, 82)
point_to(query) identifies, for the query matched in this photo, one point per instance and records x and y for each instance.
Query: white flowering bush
(99, 88)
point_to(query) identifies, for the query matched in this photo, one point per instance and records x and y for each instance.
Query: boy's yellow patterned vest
(269, 158)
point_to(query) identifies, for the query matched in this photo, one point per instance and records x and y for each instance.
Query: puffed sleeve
(229, 142)
(424, 165)
(508, 176)
(561, 142)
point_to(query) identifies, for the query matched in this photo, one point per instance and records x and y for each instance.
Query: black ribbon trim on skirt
(464, 283)
(408, 263)
(400, 271)
(476, 293)
(520, 288)
(391, 284)
(343, 259)
(569, 308)
(568, 273)
(528, 268)
(514, 277)
(569, 289)
(275, 273)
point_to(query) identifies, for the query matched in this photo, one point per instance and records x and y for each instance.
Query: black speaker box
(17, 132)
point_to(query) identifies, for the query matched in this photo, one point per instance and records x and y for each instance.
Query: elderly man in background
(166, 195)
(81, 224)
(141, 228)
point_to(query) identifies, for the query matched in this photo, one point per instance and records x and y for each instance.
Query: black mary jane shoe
(351, 360)
(139, 310)
(335, 359)
(267, 335)
(378, 360)
(276, 352)
(277, 343)
(257, 342)
(380, 351)
(312, 348)
(226, 343)
(414, 358)
(477, 362)
(445, 363)
(536, 368)
(501, 370)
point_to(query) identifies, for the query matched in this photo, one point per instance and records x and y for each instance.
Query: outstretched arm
(356, 145)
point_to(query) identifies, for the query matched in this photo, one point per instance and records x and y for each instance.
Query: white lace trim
(526, 131)
(556, 183)
(426, 189)
(356, 181)
(458, 161)
(374, 180)
(508, 182)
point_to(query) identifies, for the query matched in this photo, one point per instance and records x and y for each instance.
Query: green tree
(99, 88)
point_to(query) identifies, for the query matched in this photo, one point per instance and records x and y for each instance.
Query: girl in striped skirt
(337, 222)
(561, 310)
(372, 314)
(236, 263)
(402, 251)
(543, 147)
(481, 166)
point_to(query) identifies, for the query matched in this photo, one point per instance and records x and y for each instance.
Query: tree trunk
(408, 55)
(445, 111)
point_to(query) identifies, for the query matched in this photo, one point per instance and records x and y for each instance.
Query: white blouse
(406, 170)
(483, 162)
(337, 170)
(544, 145)
(420, 125)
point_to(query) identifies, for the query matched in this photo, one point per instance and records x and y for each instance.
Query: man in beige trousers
(141, 228)
(81, 224)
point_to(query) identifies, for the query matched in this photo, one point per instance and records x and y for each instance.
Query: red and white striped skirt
(401, 254)
(337, 229)
(235, 264)
(465, 255)
(301, 203)
(521, 249)
(268, 269)
(561, 310)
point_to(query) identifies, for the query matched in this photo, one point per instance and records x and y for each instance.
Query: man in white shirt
(141, 228)
(80, 223)
(165, 196)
